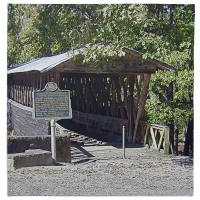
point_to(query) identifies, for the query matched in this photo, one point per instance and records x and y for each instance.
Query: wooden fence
(158, 137)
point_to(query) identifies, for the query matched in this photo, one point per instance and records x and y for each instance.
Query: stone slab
(18, 144)
(29, 158)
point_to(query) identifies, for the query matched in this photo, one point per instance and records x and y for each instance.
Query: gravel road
(100, 171)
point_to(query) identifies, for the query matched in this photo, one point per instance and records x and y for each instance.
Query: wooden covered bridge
(104, 100)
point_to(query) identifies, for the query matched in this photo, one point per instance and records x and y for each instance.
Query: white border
(3, 75)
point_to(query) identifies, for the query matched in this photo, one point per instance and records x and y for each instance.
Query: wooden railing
(21, 94)
(157, 136)
(120, 96)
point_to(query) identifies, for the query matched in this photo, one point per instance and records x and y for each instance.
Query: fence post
(123, 142)
(166, 138)
(176, 140)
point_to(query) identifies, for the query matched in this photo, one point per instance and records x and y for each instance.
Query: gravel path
(99, 171)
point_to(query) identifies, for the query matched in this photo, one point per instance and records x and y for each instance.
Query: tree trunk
(189, 139)
(176, 130)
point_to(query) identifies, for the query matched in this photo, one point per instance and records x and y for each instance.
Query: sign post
(53, 139)
(52, 104)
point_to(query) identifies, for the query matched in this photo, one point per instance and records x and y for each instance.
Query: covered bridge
(104, 100)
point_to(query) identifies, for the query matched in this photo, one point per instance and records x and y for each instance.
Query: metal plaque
(52, 103)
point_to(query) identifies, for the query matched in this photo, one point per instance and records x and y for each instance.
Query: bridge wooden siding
(118, 91)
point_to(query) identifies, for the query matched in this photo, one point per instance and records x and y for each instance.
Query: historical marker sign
(52, 103)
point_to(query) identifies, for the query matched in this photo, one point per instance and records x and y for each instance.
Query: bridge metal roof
(45, 64)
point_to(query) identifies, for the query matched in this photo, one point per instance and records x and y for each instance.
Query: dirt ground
(100, 171)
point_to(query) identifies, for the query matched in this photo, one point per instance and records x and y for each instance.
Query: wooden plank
(125, 95)
(113, 107)
(31, 97)
(27, 97)
(109, 70)
(161, 138)
(87, 95)
(20, 94)
(9, 91)
(23, 95)
(111, 124)
(15, 93)
(119, 101)
(43, 81)
(153, 138)
(80, 91)
(49, 78)
(40, 81)
(158, 126)
(142, 102)
(101, 100)
(62, 83)
(57, 77)
(130, 107)
(139, 88)
(10, 96)
(35, 81)
(106, 96)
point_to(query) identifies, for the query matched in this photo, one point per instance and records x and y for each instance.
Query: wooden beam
(57, 75)
(142, 102)
(162, 133)
(131, 80)
(153, 138)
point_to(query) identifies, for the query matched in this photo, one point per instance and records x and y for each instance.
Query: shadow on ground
(183, 160)
(82, 135)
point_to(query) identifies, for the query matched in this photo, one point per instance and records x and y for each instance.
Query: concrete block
(18, 144)
(29, 158)
(44, 160)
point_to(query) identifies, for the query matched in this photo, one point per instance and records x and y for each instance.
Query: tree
(164, 32)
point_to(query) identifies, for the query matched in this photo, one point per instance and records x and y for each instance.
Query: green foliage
(164, 32)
